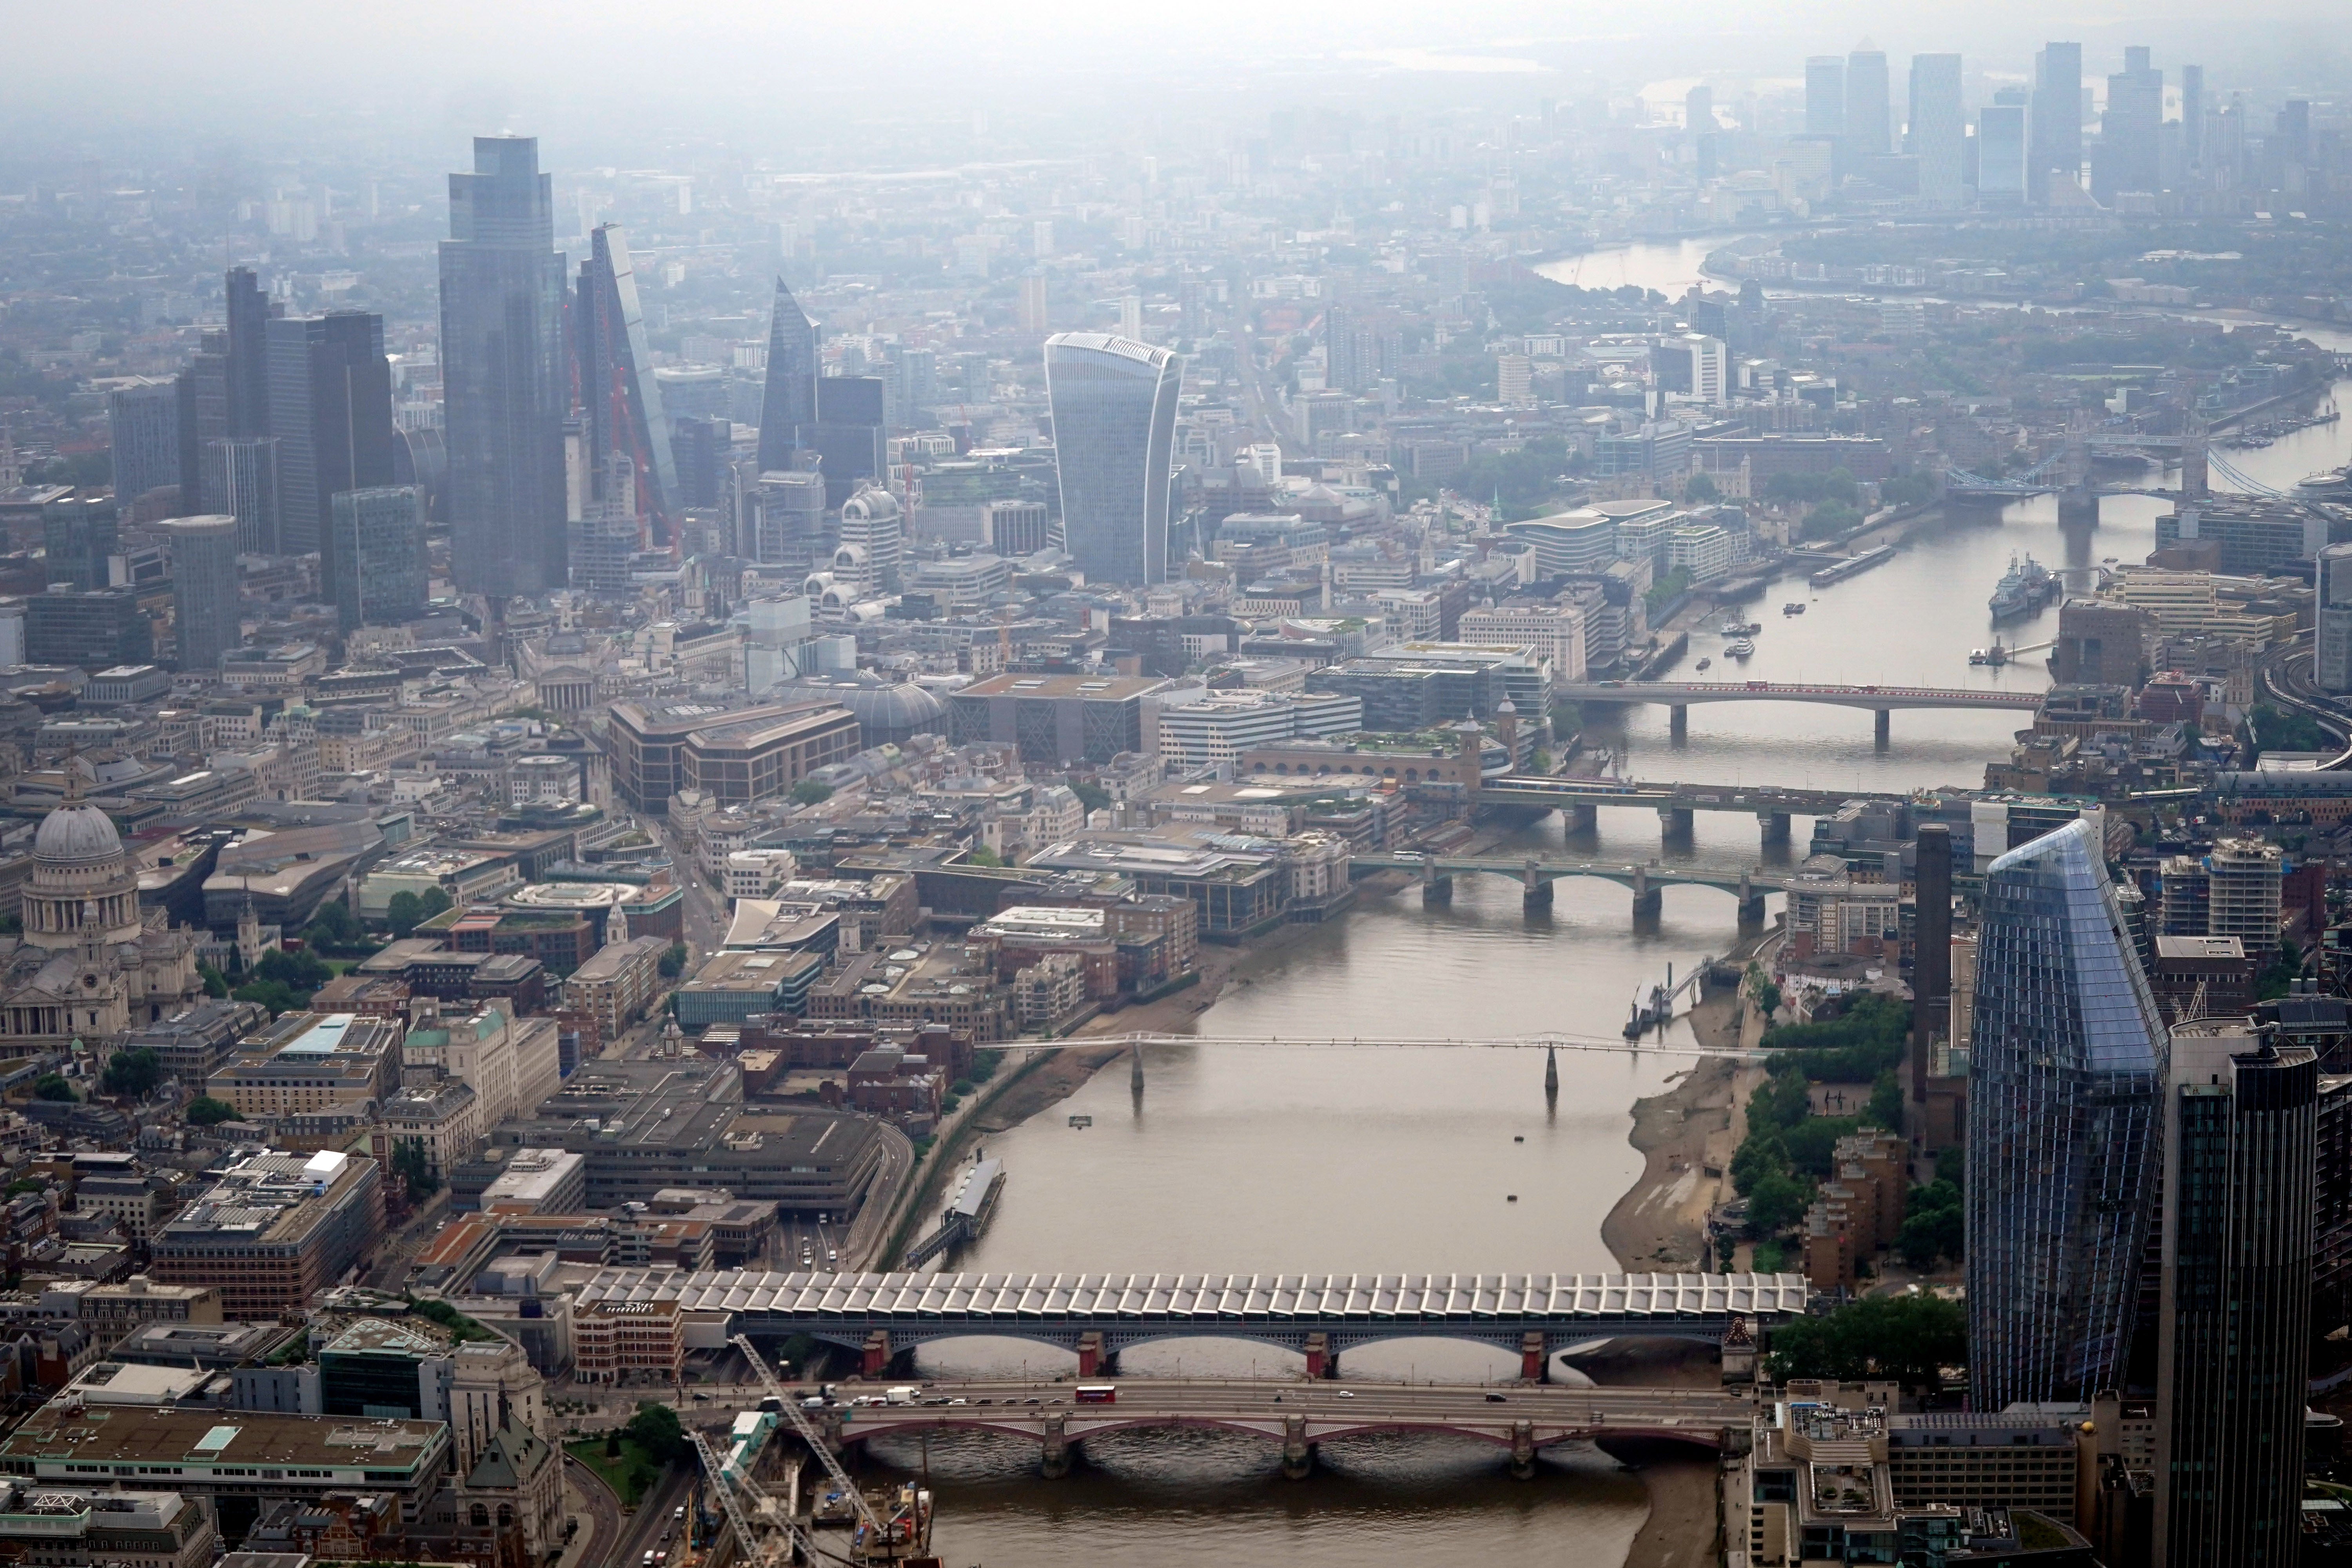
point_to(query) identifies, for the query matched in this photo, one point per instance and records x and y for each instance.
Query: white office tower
(872, 523)
(776, 636)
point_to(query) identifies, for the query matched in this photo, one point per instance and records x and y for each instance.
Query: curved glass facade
(2065, 1096)
(1114, 403)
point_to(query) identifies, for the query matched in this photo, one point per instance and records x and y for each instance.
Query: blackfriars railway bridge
(1318, 1316)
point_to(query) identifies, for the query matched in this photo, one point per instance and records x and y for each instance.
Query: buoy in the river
(1519, 1138)
(1510, 1197)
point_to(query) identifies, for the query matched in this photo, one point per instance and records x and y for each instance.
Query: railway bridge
(1536, 873)
(1882, 701)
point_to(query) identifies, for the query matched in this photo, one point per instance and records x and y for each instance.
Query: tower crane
(759, 1548)
(791, 1409)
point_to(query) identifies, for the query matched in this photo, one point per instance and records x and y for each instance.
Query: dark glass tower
(2066, 1092)
(789, 400)
(380, 576)
(1114, 406)
(2234, 1331)
(249, 311)
(504, 384)
(617, 390)
(2056, 119)
(330, 409)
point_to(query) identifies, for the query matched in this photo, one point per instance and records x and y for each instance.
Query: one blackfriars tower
(503, 376)
(2066, 1080)
(1114, 405)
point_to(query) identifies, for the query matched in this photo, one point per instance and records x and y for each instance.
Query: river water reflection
(1284, 1160)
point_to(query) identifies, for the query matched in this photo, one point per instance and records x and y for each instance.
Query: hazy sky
(431, 65)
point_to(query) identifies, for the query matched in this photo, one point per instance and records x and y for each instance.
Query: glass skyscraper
(205, 613)
(379, 575)
(618, 389)
(2066, 1095)
(330, 410)
(1114, 406)
(789, 400)
(503, 376)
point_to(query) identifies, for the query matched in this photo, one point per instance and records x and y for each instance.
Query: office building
(511, 1064)
(308, 1063)
(2234, 1328)
(77, 535)
(2242, 879)
(2056, 120)
(1114, 410)
(143, 420)
(2001, 152)
(247, 353)
(2332, 665)
(236, 476)
(203, 409)
(1825, 96)
(502, 372)
(604, 538)
(701, 450)
(2130, 130)
(205, 616)
(1868, 127)
(1691, 367)
(849, 437)
(377, 574)
(97, 629)
(330, 409)
(788, 402)
(1698, 110)
(2065, 1092)
(617, 391)
(274, 1230)
(2193, 115)
(787, 522)
(1939, 137)
(1013, 529)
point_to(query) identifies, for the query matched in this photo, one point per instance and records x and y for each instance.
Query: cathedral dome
(77, 836)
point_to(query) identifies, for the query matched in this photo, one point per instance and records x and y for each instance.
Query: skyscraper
(1114, 408)
(2192, 114)
(789, 401)
(2130, 130)
(204, 588)
(2002, 152)
(249, 310)
(850, 434)
(2056, 120)
(701, 450)
(616, 384)
(2233, 1330)
(330, 409)
(1698, 110)
(604, 538)
(238, 475)
(2332, 664)
(2065, 1093)
(1938, 129)
(380, 577)
(1867, 123)
(204, 414)
(1825, 95)
(143, 418)
(502, 373)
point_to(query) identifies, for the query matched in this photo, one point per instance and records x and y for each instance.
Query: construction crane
(791, 1409)
(759, 1549)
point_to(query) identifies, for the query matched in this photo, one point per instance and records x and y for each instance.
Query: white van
(904, 1393)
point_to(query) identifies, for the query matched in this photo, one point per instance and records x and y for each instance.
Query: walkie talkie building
(2065, 1117)
(1114, 404)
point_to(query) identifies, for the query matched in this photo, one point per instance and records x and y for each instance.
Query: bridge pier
(1436, 888)
(1648, 901)
(2078, 507)
(1775, 825)
(1535, 890)
(1297, 1453)
(1751, 905)
(1581, 818)
(1884, 731)
(1320, 1362)
(1523, 1451)
(1535, 1360)
(877, 1353)
(1675, 823)
(1678, 722)
(1551, 1073)
(1090, 1354)
(1135, 1070)
(1055, 1463)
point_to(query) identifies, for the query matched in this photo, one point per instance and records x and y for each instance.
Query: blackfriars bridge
(1522, 1419)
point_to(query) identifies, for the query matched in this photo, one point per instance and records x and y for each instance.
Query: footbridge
(1317, 1315)
(1536, 873)
(1882, 701)
(1519, 1420)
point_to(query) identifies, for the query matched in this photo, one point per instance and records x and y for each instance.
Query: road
(604, 1510)
(1259, 1396)
(651, 1528)
(2287, 677)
